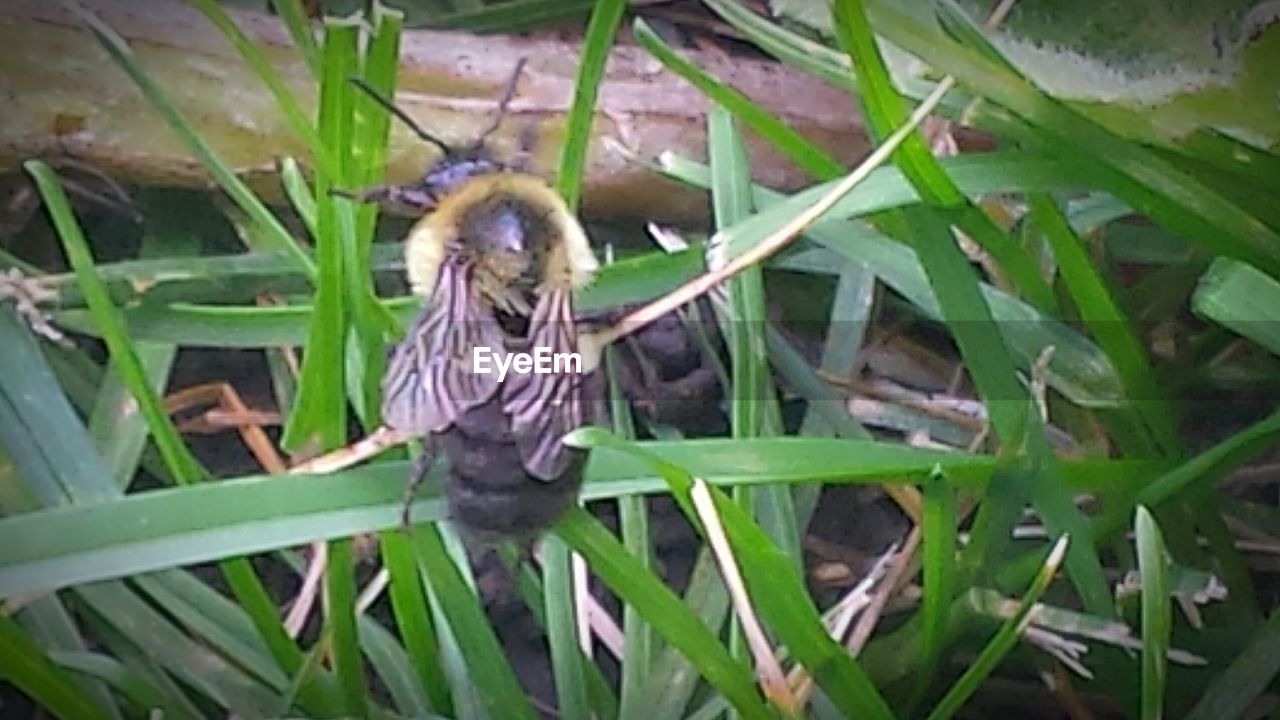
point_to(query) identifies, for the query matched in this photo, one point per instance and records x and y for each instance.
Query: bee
(496, 258)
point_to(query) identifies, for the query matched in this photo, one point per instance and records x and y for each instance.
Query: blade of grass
(595, 51)
(253, 56)
(177, 456)
(673, 679)
(499, 690)
(948, 270)
(1077, 369)
(271, 229)
(741, 256)
(121, 646)
(1245, 679)
(319, 416)
(251, 514)
(884, 109)
(1107, 322)
(295, 19)
(795, 146)
(562, 631)
(1157, 613)
(25, 664)
(413, 618)
(513, 16)
(664, 611)
(371, 324)
(107, 317)
(67, 440)
(190, 604)
(938, 567)
(394, 669)
(300, 197)
(1133, 173)
(754, 410)
(1004, 639)
(967, 315)
(50, 625)
(189, 661)
(1243, 299)
(777, 590)
(340, 620)
(639, 644)
(54, 465)
(133, 685)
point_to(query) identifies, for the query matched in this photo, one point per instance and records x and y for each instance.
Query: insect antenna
(508, 93)
(390, 107)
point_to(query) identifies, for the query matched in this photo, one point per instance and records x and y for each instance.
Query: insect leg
(508, 93)
(417, 475)
(413, 197)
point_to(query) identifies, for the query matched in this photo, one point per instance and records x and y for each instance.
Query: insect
(496, 257)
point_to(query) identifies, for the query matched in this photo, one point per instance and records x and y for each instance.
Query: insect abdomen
(487, 488)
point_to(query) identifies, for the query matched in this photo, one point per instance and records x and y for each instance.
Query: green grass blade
(218, 621)
(595, 51)
(657, 603)
(295, 19)
(1245, 679)
(795, 146)
(231, 628)
(25, 664)
(50, 624)
(487, 664)
(133, 685)
(300, 197)
(246, 515)
(272, 230)
(1212, 464)
(319, 415)
(393, 668)
(776, 588)
(885, 109)
(178, 458)
(413, 618)
(1078, 368)
(256, 59)
(513, 16)
(949, 272)
(1243, 299)
(639, 642)
(340, 624)
(107, 317)
(850, 314)
(371, 324)
(754, 410)
(189, 661)
(54, 458)
(1135, 174)
(985, 354)
(1157, 613)
(562, 632)
(120, 433)
(1003, 641)
(938, 568)
(1108, 323)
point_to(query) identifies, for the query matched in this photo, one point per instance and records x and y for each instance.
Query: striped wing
(543, 407)
(429, 379)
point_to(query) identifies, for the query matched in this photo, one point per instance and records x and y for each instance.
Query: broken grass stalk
(591, 344)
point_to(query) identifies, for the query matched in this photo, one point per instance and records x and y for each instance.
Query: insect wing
(430, 378)
(545, 406)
